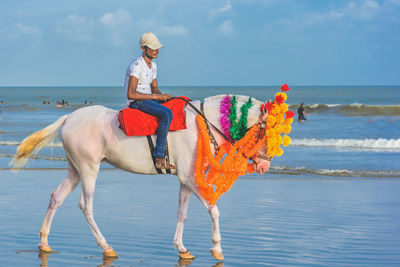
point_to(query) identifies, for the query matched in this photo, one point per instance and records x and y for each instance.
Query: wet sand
(269, 220)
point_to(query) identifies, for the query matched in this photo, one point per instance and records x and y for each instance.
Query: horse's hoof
(186, 255)
(217, 255)
(45, 248)
(110, 253)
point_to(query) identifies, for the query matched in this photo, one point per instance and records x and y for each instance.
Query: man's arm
(132, 94)
(156, 91)
(154, 87)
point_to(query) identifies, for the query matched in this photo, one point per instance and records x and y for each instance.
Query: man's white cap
(150, 40)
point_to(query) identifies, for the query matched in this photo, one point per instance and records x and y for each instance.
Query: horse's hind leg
(184, 197)
(56, 199)
(86, 204)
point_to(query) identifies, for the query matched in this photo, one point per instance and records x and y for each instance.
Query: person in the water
(301, 113)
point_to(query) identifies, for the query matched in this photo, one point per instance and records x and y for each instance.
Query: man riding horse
(143, 94)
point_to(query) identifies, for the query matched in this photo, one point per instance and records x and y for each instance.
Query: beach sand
(272, 220)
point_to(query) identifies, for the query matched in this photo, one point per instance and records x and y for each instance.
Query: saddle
(137, 123)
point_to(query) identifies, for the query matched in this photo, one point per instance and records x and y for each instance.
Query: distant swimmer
(301, 113)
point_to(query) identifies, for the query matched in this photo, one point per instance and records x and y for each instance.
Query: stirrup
(161, 163)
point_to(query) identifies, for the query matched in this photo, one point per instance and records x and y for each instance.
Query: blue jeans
(154, 108)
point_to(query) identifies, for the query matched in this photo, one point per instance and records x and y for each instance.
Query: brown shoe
(161, 163)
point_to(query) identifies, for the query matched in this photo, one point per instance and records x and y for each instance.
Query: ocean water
(332, 198)
(351, 131)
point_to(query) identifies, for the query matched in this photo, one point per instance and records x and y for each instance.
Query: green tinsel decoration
(238, 129)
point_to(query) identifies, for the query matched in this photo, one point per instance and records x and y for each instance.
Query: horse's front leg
(216, 250)
(184, 197)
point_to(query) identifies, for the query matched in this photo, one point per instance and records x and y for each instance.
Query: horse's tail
(35, 142)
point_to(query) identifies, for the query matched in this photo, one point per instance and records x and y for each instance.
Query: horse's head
(248, 130)
(269, 121)
(254, 127)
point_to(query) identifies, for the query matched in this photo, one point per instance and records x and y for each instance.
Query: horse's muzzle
(261, 164)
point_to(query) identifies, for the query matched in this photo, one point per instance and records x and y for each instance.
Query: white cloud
(395, 2)
(217, 12)
(365, 10)
(175, 30)
(20, 30)
(117, 26)
(159, 28)
(76, 28)
(226, 28)
(112, 27)
(116, 19)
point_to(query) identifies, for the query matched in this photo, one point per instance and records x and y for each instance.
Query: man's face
(150, 53)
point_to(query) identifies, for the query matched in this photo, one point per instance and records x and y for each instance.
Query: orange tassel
(214, 177)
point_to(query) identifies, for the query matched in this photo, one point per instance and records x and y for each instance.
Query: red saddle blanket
(137, 123)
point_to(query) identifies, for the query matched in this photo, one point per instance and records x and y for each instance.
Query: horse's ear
(265, 116)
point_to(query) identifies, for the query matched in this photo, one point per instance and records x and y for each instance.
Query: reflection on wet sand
(44, 259)
(107, 261)
(184, 262)
(187, 262)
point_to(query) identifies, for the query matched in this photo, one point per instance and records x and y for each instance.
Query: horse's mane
(239, 98)
(214, 102)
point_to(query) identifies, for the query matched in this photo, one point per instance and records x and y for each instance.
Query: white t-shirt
(145, 75)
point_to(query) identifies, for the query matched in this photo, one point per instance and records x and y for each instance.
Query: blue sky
(208, 42)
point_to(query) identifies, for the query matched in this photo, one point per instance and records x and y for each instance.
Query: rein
(204, 117)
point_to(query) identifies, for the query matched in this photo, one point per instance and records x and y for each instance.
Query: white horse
(91, 135)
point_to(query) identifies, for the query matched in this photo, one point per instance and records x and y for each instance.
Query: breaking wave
(329, 172)
(382, 144)
(17, 143)
(355, 109)
(54, 158)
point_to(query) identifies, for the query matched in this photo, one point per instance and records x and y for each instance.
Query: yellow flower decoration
(286, 140)
(278, 122)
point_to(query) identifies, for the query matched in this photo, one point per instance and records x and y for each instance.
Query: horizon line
(209, 85)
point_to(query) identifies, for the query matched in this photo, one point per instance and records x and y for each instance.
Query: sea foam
(380, 143)
(334, 172)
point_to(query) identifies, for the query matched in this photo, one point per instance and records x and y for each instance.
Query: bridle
(261, 123)
(261, 134)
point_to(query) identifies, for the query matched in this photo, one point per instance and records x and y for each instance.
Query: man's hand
(164, 97)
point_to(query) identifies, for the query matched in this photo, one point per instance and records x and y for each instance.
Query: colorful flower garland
(215, 178)
(279, 121)
(232, 129)
(224, 109)
(215, 175)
